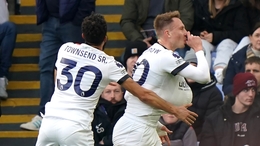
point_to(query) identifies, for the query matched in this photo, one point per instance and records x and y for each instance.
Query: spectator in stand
(237, 123)
(7, 43)
(237, 61)
(183, 134)
(253, 14)
(61, 22)
(252, 65)
(111, 106)
(221, 24)
(138, 16)
(207, 98)
(132, 52)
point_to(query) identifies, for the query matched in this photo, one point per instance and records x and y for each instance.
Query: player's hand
(164, 136)
(185, 115)
(194, 42)
(146, 40)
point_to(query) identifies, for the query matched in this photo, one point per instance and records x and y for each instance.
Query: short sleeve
(173, 63)
(117, 72)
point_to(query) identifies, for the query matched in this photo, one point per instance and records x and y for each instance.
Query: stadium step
(30, 3)
(31, 19)
(23, 88)
(38, 37)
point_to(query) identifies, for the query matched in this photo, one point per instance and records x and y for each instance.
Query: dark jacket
(231, 22)
(235, 65)
(135, 13)
(206, 99)
(253, 14)
(257, 99)
(218, 129)
(106, 115)
(70, 10)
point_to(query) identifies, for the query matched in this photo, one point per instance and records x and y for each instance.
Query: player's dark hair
(94, 29)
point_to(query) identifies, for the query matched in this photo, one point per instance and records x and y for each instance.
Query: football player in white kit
(83, 71)
(159, 69)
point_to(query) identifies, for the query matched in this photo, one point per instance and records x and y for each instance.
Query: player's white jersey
(82, 74)
(156, 69)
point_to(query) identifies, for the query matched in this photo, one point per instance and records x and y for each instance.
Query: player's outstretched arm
(152, 99)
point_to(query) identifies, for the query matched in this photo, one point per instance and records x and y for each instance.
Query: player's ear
(83, 36)
(105, 39)
(168, 33)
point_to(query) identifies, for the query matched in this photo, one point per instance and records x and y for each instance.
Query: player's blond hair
(163, 20)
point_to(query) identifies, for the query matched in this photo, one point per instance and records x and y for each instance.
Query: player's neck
(166, 44)
(97, 47)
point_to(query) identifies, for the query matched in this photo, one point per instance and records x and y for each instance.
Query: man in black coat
(109, 110)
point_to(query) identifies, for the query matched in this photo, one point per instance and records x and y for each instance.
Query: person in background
(61, 21)
(183, 134)
(138, 16)
(237, 122)
(7, 43)
(252, 65)
(253, 15)
(236, 63)
(207, 98)
(111, 106)
(17, 6)
(132, 52)
(221, 24)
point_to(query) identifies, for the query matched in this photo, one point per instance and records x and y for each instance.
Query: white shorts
(61, 132)
(129, 132)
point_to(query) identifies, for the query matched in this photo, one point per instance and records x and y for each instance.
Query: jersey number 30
(71, 64)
